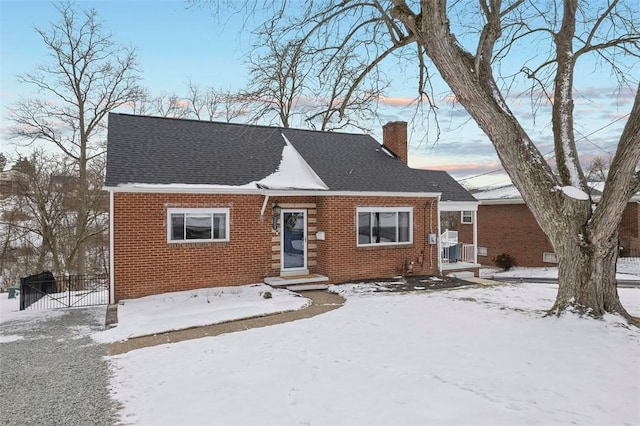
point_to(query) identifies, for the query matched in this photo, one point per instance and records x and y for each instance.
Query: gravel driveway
(51, 372)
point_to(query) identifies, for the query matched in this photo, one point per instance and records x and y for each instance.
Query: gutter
(265, 191)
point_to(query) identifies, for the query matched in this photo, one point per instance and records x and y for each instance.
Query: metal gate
(44, 291)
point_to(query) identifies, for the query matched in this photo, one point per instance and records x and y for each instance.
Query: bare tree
(39, 222)
(17, 249)
(598, 169)
(38, 212)
(88, 76)
(334, 75)
(163, 105)
(276, 78)
(292, 78)
(472, 46)
(214, 104)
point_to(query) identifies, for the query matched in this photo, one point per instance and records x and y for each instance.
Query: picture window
(197, 225)
(384, 226)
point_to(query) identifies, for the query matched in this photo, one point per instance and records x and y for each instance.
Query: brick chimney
(394, 137)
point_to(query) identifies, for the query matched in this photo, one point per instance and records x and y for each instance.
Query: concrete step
(303, 287)
(287, 281)
(481, 281)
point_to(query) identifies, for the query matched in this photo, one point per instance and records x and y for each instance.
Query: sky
(475, 355)
(176, 44)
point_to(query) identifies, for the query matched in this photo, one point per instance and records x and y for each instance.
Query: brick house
(12, 182)
(200, 204)
(506, 225)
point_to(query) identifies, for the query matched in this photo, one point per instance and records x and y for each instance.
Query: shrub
(504, 261)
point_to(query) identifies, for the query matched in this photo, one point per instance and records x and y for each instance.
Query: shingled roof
(161, 151)
(155, 150)
(441, 181)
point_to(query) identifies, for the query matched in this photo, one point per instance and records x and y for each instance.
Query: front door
(294, 242)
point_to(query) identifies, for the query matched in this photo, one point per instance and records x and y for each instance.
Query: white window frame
(549, 257)
(469, 218)
(210, 211)
(385, 210)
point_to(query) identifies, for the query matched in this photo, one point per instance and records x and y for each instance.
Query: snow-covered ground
(628, 268)
(454, 357)
(179, 310)
(472, 355)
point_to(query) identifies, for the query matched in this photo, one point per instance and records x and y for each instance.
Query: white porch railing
(448, 238)
(468, 253)
(460, 252)
(454, 251)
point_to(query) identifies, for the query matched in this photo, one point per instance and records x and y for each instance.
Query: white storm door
(293, 244)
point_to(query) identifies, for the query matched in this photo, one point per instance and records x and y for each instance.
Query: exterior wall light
(276, 216)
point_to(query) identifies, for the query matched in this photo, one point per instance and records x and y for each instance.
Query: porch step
(461, 274)
(290, 281)
(481, 281)
(303, 287)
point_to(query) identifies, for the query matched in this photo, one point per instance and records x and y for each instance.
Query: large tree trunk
(81, 221)
(587, 277)
(583, 233)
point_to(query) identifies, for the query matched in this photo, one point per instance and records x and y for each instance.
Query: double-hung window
(197, 225)
(467, 216)
(384, 225)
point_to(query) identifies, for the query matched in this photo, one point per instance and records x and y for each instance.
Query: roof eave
(505, 201)
(499, 201)
(264, 191)
(458, 205)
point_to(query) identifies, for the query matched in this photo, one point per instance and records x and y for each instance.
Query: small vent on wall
(482, 251)
(549, 257)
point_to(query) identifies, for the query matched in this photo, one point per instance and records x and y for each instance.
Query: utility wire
(585, 137)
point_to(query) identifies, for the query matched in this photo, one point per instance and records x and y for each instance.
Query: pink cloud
(452, 99)
(397, 101)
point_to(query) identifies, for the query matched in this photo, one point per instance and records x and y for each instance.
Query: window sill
(193, 244)
(385, 246)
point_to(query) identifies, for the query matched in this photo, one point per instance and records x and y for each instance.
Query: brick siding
(630, 229)
(512, 229)
(342, 260)
(145, 263)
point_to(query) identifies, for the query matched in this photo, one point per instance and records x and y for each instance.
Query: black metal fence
(45, 291)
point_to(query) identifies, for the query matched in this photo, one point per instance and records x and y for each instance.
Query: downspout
(112, 291)
(475, 236)
(438, 240)
(431, 228)
(264, 204)
(426, 239)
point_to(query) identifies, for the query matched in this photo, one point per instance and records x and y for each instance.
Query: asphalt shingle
(154, 150)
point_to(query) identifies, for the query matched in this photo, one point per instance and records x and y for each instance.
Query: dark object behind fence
(33, 287)
(45, 291)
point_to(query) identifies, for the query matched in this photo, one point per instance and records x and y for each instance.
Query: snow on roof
(185, 186)
(509, 192)
(293, 172)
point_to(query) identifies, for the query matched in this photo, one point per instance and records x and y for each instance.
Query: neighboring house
(64, 183)
(202, 204)
(506, 225)
(11, 182)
